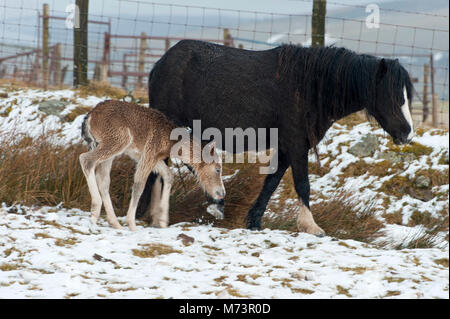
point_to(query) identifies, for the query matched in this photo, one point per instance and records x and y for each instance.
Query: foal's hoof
(115, 224)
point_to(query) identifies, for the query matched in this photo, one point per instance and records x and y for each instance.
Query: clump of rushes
(339, 216)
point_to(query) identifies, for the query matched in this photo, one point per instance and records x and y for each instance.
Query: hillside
(384, 208)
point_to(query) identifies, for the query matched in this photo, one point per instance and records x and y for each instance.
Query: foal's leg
(102, 175)
(270, 185)
(161, 215)
(143, 168)
(305, 220)
(110, 147)
(88, 163)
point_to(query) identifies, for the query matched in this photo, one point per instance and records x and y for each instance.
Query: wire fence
(126, 37)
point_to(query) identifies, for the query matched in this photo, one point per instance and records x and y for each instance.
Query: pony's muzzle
(402, 140)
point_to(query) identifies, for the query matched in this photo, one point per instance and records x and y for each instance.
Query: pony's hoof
(132, 227)
(314, 230)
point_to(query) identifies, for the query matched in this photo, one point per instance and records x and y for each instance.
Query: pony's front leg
(162, 219)
(305, 220)
(143, 169)
(271, 183)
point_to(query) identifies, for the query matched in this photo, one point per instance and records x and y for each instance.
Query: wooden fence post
(57, 64)
(167, 46)
(63, 73)
(434, 106)
(227, 39)
(80, 45)
(45, 48)
(426, 110)
(125, 70)
(318, 23)
(105, 59)
(141, 62)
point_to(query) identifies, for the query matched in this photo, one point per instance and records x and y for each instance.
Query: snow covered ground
(53, 253)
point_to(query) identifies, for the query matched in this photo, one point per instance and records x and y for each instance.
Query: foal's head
(209, 173)
(392, 100)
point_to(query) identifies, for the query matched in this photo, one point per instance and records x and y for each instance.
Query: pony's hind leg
(102, 174)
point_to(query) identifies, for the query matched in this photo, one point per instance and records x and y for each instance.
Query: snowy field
(51, 252)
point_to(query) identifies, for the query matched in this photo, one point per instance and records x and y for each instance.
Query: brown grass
(415, 148)
(338, 216)
(81, 109)
(380, 169)
(101, 90)
(37, 172)
(353, 119)
(188, 203)
(153, 250)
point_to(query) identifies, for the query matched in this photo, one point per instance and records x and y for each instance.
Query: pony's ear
(382, 69)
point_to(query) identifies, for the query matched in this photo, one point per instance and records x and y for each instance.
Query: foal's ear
(212, 148)
(382, 69)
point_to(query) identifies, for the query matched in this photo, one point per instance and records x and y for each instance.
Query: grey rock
(53, 107)
(366, 147)
(422, 182)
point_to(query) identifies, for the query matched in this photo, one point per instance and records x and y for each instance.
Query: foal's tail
(86, 133)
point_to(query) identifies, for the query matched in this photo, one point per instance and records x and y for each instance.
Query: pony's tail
(86, 133)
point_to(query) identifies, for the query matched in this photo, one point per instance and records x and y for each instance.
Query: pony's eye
(217, 170)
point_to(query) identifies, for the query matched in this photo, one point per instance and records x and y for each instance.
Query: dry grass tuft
(340, 217)
(353, 119)
(153, 250)
(443, 262)
(101, 90)
(414, 148)
(79, 110)
(188, 202)
(36, 172)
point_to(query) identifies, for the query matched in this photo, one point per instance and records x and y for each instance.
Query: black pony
(301, 91)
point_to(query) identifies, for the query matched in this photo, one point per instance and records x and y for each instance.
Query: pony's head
(392, 100)
(209, 174)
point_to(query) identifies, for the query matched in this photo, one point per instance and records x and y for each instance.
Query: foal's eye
(218, 170)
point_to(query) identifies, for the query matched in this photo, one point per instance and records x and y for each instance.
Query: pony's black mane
(331, 82)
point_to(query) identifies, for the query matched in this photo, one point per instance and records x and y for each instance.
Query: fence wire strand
(126, 37)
